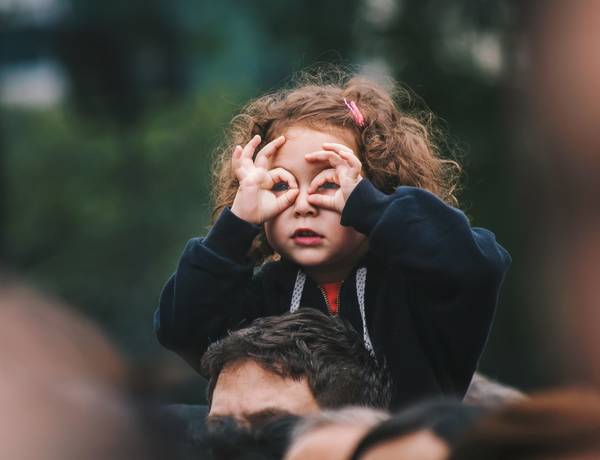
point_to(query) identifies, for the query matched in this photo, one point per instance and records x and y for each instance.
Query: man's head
(485, 392)
(62, 387)
(553, 425)
(425, 431)
(228, 440)
(294, 363)
(332, 434)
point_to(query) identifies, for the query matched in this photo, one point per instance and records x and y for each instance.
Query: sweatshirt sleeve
(213, 289)
(454, 272)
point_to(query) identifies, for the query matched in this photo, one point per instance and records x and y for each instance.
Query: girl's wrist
(348, 190)
(238, 211)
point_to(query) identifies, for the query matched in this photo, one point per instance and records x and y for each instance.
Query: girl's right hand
(263, 193)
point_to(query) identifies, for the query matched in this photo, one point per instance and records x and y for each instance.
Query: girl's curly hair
(398, 144)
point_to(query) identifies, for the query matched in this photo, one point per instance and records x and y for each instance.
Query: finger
(350, 158)
(327, 175)
(263, 157)
(266, 181)
(286, 200)
(322, 201)
(337, 147)
(280, 174)
(236, 161)
(345, 152)
(235, 156)
(321, 155)
(250, 147)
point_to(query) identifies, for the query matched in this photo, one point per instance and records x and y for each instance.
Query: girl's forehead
(295, 163)
(313, 135)
(303, 140)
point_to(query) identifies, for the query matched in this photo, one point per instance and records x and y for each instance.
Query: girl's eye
(280, 187)
(329, 186)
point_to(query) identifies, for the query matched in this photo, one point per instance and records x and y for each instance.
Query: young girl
(344, 194)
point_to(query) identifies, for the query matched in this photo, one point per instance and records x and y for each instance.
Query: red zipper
(338, 305)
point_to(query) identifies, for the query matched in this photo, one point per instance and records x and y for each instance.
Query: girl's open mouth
(306, 237)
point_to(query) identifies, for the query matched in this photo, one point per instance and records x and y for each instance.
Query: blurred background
(109, 111)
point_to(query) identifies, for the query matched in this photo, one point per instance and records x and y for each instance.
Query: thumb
(323, 201)
(286, 200)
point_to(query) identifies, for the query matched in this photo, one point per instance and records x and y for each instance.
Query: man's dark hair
(325, 350)
(446, 418)
(226, 439)
(552, 425)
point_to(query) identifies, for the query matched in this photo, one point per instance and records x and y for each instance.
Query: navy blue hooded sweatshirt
(432, 286)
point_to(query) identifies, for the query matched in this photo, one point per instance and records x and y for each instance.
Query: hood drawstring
(361, 281)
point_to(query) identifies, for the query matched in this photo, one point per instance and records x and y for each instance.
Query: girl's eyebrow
(274, 165)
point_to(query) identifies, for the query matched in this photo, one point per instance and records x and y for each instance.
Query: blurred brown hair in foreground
(61, 384)
(562, 184)
(558, 425)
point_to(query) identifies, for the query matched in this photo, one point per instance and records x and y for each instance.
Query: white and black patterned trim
(361, 281)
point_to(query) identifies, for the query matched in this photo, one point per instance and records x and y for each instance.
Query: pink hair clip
(356, 114)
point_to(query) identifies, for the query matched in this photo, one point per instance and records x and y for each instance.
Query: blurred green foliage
(97, 215)
(102, 190)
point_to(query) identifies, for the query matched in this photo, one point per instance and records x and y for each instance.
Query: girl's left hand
(331, 187)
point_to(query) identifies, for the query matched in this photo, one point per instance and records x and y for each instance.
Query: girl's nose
(302, 207)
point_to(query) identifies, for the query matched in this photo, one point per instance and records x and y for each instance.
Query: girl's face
(310, 236)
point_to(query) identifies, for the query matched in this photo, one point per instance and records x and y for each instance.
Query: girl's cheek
(271, 232)
(267, 229)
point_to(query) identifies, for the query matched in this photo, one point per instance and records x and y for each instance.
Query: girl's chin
(309, 260)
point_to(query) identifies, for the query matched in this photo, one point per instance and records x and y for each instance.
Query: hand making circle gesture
(256, 200)
(331, 187)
